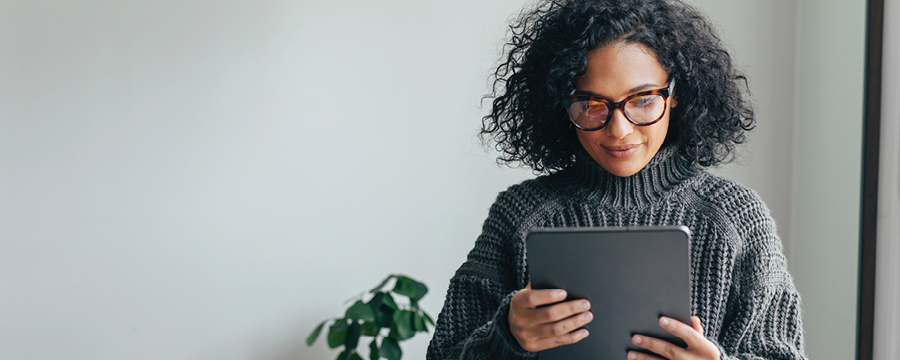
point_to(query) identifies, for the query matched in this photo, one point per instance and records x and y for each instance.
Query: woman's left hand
(699, 347)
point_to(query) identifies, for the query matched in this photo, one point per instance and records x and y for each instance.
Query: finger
(661, 347)
(534, 298)
(695, 323)
(518, 299)
(564, 326)
(634, 355)
(683, 331)
(560, 311)
(708, 346)
(557, 341)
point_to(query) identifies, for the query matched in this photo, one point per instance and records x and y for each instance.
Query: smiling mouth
(621, 151)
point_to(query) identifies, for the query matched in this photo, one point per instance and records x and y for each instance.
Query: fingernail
(637, 339)
(585, 305)
(588, 316)
(664, 320)
(583, 333)
(561, 293)
(632, 355)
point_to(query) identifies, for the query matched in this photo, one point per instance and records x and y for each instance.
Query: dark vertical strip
(865, 335)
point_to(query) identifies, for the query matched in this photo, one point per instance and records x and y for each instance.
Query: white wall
(805, 61)
(209, 179)
(824, 247)
(887, 262)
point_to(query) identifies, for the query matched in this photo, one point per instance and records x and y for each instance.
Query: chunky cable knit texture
(740, 287)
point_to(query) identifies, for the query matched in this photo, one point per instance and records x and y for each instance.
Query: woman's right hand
(547, 327)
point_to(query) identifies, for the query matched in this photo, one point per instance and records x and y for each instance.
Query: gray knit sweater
(740, 287)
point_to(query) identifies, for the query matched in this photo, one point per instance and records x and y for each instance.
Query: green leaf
(388, 301)
(370, 329)
(419, 322)
(352, 336)
(409, 287)
(403, 323)
(390, 349)
(421, 290)
(405, 286)
(383, 283)
(337, 333)
(355, 356)
(384, 316)
(393, 334)
(360, 311)
(373, 350)
(383, 307)
(315, 334)
(428, 318)
(344, 355)
(339, 325)
(375, 301)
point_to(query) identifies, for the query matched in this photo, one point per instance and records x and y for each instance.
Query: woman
(621, 104)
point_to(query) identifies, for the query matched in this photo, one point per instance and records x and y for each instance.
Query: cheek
(588, 139)
(655, 137)
(660, 131)
(660, 136)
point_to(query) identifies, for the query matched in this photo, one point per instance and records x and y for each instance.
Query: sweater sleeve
(764, 319)
(473, 322)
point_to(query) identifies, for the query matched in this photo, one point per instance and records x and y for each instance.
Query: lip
(621, 151)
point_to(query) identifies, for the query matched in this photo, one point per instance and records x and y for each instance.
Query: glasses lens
(645, 109)
(589, 114)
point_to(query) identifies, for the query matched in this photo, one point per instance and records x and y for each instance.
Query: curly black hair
(548, 49)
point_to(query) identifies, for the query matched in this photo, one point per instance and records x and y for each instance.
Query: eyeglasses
(591, 113)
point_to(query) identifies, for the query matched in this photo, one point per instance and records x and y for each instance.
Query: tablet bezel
(632, 275)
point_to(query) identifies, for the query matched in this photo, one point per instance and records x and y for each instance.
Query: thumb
(695, 323)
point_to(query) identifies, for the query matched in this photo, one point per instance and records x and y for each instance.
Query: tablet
(631, 275)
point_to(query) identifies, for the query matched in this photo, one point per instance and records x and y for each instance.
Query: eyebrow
(631, 91)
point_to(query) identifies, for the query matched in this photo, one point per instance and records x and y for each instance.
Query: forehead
(616, 70)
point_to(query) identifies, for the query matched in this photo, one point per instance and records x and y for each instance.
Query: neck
(663, 173)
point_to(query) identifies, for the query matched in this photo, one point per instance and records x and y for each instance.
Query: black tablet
(631, 275)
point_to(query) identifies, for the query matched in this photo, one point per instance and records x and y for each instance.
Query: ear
(673, 101)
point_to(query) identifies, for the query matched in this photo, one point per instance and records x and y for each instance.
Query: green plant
(381, 318)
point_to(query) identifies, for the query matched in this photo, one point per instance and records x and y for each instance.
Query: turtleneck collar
(665, 172)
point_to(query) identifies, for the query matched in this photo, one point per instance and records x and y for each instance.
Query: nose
(619, 127)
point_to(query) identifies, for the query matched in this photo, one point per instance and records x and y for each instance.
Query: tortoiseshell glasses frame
(589, 113)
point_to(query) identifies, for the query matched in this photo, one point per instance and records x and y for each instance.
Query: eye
(643, 101)
(596, 107)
